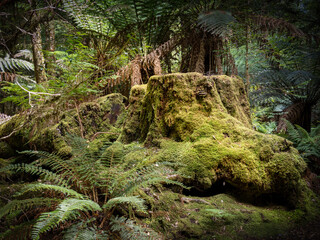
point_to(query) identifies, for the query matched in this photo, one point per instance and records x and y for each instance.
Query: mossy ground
(223, 217)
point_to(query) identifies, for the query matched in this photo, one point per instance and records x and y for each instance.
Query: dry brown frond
(6, 76)
(277, 24)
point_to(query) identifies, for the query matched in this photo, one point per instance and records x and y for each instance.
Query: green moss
(131, 130)
(234, 98)
(204, 124)
(45, 128)
(220, 217)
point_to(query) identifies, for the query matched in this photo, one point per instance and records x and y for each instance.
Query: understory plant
(308, 144)
(92, 195)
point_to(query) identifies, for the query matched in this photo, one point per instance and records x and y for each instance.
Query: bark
(247, 76)
(38, 59)
(50, 47)
(217, 58)
(201, 57)
(297, 113)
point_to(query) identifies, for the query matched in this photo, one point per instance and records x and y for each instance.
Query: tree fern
(216, 22)
(8, 64)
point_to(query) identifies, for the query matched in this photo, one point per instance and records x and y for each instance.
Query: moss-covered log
(45, 128)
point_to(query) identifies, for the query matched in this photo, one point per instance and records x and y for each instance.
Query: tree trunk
(298, 113)
(38, 59)
(50, 47)
(217, 57)
(247, 76)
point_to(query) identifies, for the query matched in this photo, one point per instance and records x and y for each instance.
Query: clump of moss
(131, 129)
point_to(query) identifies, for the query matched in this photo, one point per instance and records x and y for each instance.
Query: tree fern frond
(216, 22)
(134, 201)
(41, 187)
(25, 53)
(8, 64)
(15, 205)
(68, 209)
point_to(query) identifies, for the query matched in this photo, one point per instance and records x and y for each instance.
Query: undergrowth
(92, 195)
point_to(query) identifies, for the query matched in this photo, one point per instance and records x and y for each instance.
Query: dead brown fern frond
(276, 24)
(141, 68)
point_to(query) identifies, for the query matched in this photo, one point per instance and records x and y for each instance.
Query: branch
(35, 93)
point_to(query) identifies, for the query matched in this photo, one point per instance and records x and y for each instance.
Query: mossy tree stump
(204, 123)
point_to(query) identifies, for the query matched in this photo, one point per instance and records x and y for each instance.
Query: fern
(8, 64)
(35, 170)
(18, 205)
(133, 201)
(216, 22)
(41, 187)
(90, 182)
(83, 231)
(129, 230)
(68, 209)
(307, 144)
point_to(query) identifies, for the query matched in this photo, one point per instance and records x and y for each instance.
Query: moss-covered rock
(45, 128)
(208, 130)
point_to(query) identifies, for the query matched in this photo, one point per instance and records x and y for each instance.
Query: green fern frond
(82, 231)
(216, 22)
(304, 135)
(315, 132)
(92, 23)
(306, 143)
(293, 133)
(35, 170)
(15, 205)
(130, 230)
(69, 209)
(41, 187)
(8, 64)
(66, 169)
(133, 201)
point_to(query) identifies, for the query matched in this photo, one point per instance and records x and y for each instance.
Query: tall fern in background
(93, 193)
